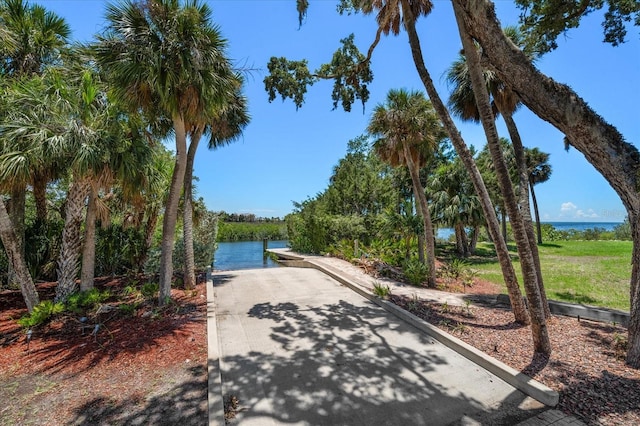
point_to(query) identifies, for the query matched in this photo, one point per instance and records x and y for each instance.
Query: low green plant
(455, 269)
(41, 313)
(381, 290)
(128, 308)
(85, 300)
(416, 271)
(150, 289)
(414, 303)
(444, 308)
(468, 278)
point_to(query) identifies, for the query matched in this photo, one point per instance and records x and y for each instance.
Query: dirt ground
(141, 366)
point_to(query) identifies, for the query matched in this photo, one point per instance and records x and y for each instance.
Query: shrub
(150, 289)
(41, 313)
(416, 271)
(86, 300)
(380, 290)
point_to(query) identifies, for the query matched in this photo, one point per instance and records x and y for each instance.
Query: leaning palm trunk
(423, 211)
(535, 210)
(602, 145)
(40, 196)
(87, 273)
(68, 262)
(187, 226)
(515, 296)
(539, 330)
(16, 259)
(525, 207)
(171, 213)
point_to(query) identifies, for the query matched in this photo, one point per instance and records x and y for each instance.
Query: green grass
(588, 272)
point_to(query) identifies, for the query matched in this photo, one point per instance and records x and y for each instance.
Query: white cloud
(568, 207)
(588, 214)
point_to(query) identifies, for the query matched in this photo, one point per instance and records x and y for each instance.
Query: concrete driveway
(298, 348)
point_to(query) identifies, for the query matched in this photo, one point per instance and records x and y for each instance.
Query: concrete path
(296, 347)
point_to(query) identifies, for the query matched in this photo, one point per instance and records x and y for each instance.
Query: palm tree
(393, 14)
(505, 102)
(539, 171)
(454, 203)
(224, 127)
(408, 133)
(31, 38)
(167, 58)
(532, 281)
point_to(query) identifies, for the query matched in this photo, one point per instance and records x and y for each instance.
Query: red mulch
(144, 367)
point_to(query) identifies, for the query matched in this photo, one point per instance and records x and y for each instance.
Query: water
(582, 226)
(445, 233)
(244, 255)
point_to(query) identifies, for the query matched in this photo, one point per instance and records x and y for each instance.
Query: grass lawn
(587, 272)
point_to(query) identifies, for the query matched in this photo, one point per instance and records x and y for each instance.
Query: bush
(86, 300)
(41, 313)
(416, 271)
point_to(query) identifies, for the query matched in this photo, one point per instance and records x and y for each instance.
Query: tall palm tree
(166, 57)
(392, 15)
(539, 171)
(532, 281)
(408, 133)
(505, 102)
(224, 127)
(31, 38)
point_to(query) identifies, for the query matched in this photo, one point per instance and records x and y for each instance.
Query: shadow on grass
(184, 404)
(573, 297)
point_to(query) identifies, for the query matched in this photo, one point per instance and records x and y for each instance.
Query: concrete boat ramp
(295, 346)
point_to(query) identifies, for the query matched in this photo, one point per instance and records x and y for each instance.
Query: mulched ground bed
(145, 365)
(586, 366)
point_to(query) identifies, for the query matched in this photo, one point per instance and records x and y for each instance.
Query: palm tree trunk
(187, 226)
(535, 211)
(423, 211)
(459, 243)
(515, 296)
(171, 213)
(474, 241)
(503, 222)
(71, 243)
(602, 145)
(524, 206)
(16, 209)
(16, 259)
(539, 329)
(87, 273)
(40, 196)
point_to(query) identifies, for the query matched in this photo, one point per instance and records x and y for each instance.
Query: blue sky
(287, 155)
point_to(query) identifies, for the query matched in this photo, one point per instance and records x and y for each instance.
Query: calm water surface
(244, 255)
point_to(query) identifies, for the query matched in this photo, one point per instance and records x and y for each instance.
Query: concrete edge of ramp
(515, 378)
(215, 398)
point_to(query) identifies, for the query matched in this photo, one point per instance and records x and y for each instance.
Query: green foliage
(455, 268)
(416, 271)
(41, 313)
(620, 232)
(43, 240)
(545, 20)
(348, 68)
(381, 290)
(150, 290)
(118, 249)
(86, 300)
(128, 308)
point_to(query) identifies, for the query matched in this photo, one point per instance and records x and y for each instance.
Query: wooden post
(265, 244)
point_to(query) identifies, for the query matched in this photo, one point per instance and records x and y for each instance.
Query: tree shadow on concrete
(184, 404)
(342, 363)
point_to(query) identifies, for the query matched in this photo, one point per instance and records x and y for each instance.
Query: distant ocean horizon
(581, 226)
(444, 233)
